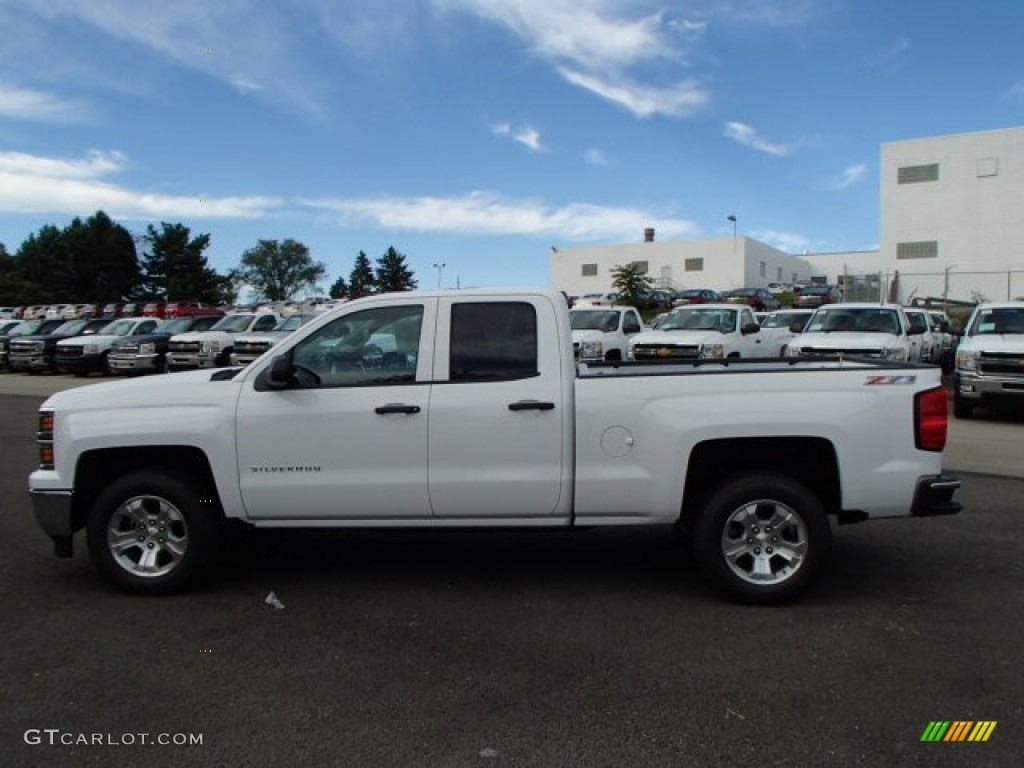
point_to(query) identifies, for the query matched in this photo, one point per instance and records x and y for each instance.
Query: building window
(914, 174)
(641, 267)
(988, 166)
(764, 269)
(926, 249)
(778, 275)
(694, 265)
(590, 270)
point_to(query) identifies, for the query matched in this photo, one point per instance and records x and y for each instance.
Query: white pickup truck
(701, 331)
(603, 333)
(990, 357)
(466, 409)
(212, 348)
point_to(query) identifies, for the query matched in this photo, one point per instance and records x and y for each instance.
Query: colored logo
(958, 730)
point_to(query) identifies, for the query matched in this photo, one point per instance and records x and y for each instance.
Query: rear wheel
(152, 532)
(762, 538)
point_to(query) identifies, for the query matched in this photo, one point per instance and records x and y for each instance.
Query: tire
(962, 409)
(150, 533)
(762, 538)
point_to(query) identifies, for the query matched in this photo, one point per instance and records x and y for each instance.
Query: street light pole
(440, 269)
(732, 217)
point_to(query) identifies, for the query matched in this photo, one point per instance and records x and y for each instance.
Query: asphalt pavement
(594, 648)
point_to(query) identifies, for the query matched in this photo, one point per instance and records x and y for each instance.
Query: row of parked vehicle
(137, 345)
(758, 299)
(723, 330)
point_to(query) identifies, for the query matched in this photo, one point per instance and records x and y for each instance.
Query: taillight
(931, 417)
(44, 439)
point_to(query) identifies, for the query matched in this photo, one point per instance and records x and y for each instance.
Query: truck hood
(205, 336)
(274, 336)
(995, 342)
(190, 387)
(101, 339)
(589, 335)
(849, 340)
(680, 337)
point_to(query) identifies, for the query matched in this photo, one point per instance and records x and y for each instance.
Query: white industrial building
(721, 264)
(952, 225)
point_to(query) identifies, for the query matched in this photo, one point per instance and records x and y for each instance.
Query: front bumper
(81, 364)
(52, 510)
(34, 362)
(974, 386)
(134, 362)
(934, 496)
(243, 359)
(179, 361)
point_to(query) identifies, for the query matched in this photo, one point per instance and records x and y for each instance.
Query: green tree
(43, 266)
(175, 266)
(279, 270)
(361, 281)
(630, 283)
(393, 274)
(104, 262)
(339, 289)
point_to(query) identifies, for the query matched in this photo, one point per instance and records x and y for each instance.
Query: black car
(695, 296)
(814, 296)
(757, 299)
(25, 328)
(148, 353)
(38, 352)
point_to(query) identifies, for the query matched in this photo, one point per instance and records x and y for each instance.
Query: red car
(154, 309)
(695, 296)
(759, 299)
(190, 309)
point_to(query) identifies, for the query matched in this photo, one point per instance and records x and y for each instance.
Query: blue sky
(479, 133)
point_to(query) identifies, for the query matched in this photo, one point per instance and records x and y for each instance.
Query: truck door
(499, 420)
(348, 440)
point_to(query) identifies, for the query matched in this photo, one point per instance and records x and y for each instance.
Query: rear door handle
(396, 408)
(531, 405)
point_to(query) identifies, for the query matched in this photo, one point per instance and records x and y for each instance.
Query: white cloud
(594, 45)
(748, 137)
(34, 184)
(597, 157)
(26, 104)
(527, 136)
(487, 213)
(848, 177)
(783, 241)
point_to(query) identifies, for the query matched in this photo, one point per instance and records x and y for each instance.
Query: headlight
(91, 349)
(3, 346)
(966, 360)
(716, 351)
(149, 348)
(592, 349)
(894, 353)
(629, 353)
(793, 352)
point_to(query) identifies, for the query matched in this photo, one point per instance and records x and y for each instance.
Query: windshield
(71, 327)
(856, 320)
(593, 320)
(234, 323)
(700, 319)
(785, 319)
(179, 325)
(293, 323)
(119, 328)
(998, 320)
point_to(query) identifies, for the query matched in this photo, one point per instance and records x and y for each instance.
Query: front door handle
(396, 408)
(531, 405)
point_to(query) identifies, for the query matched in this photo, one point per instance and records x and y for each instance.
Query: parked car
(8, 313)
(855, 328)
(777, 288)
(703, 331)
(943, 330)
(147, 353)
(656, 299)
(782, 326)
(603, 333)
(154, 309)
(597, 300)
(38, 352)
(88, 354)
(695, 296)
(250, 346)
(990, 358)
(36, 325)
(213, 348)
(189, 308)
(814, 296)
(114, 309)
(756, 298)
(925, 342)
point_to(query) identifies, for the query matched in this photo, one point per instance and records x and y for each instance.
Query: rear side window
(493, 342)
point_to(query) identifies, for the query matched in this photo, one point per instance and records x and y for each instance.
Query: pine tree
(393, 274)
(362, 281)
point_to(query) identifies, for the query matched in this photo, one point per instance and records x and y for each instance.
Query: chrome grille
(836, 352)
(666, 351)
(1001, 363)
(252, 347)
(70, 351)
(184, 346)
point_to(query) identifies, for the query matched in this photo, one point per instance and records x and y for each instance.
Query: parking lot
(596, 648)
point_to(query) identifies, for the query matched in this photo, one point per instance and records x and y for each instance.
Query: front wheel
(962, 408)
(762, 538)
(151, 532)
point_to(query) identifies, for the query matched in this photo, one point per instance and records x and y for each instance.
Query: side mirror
(750, 328)
(280, 374)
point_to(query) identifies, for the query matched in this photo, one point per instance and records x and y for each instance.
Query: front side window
(493, 342)
(373, 347)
